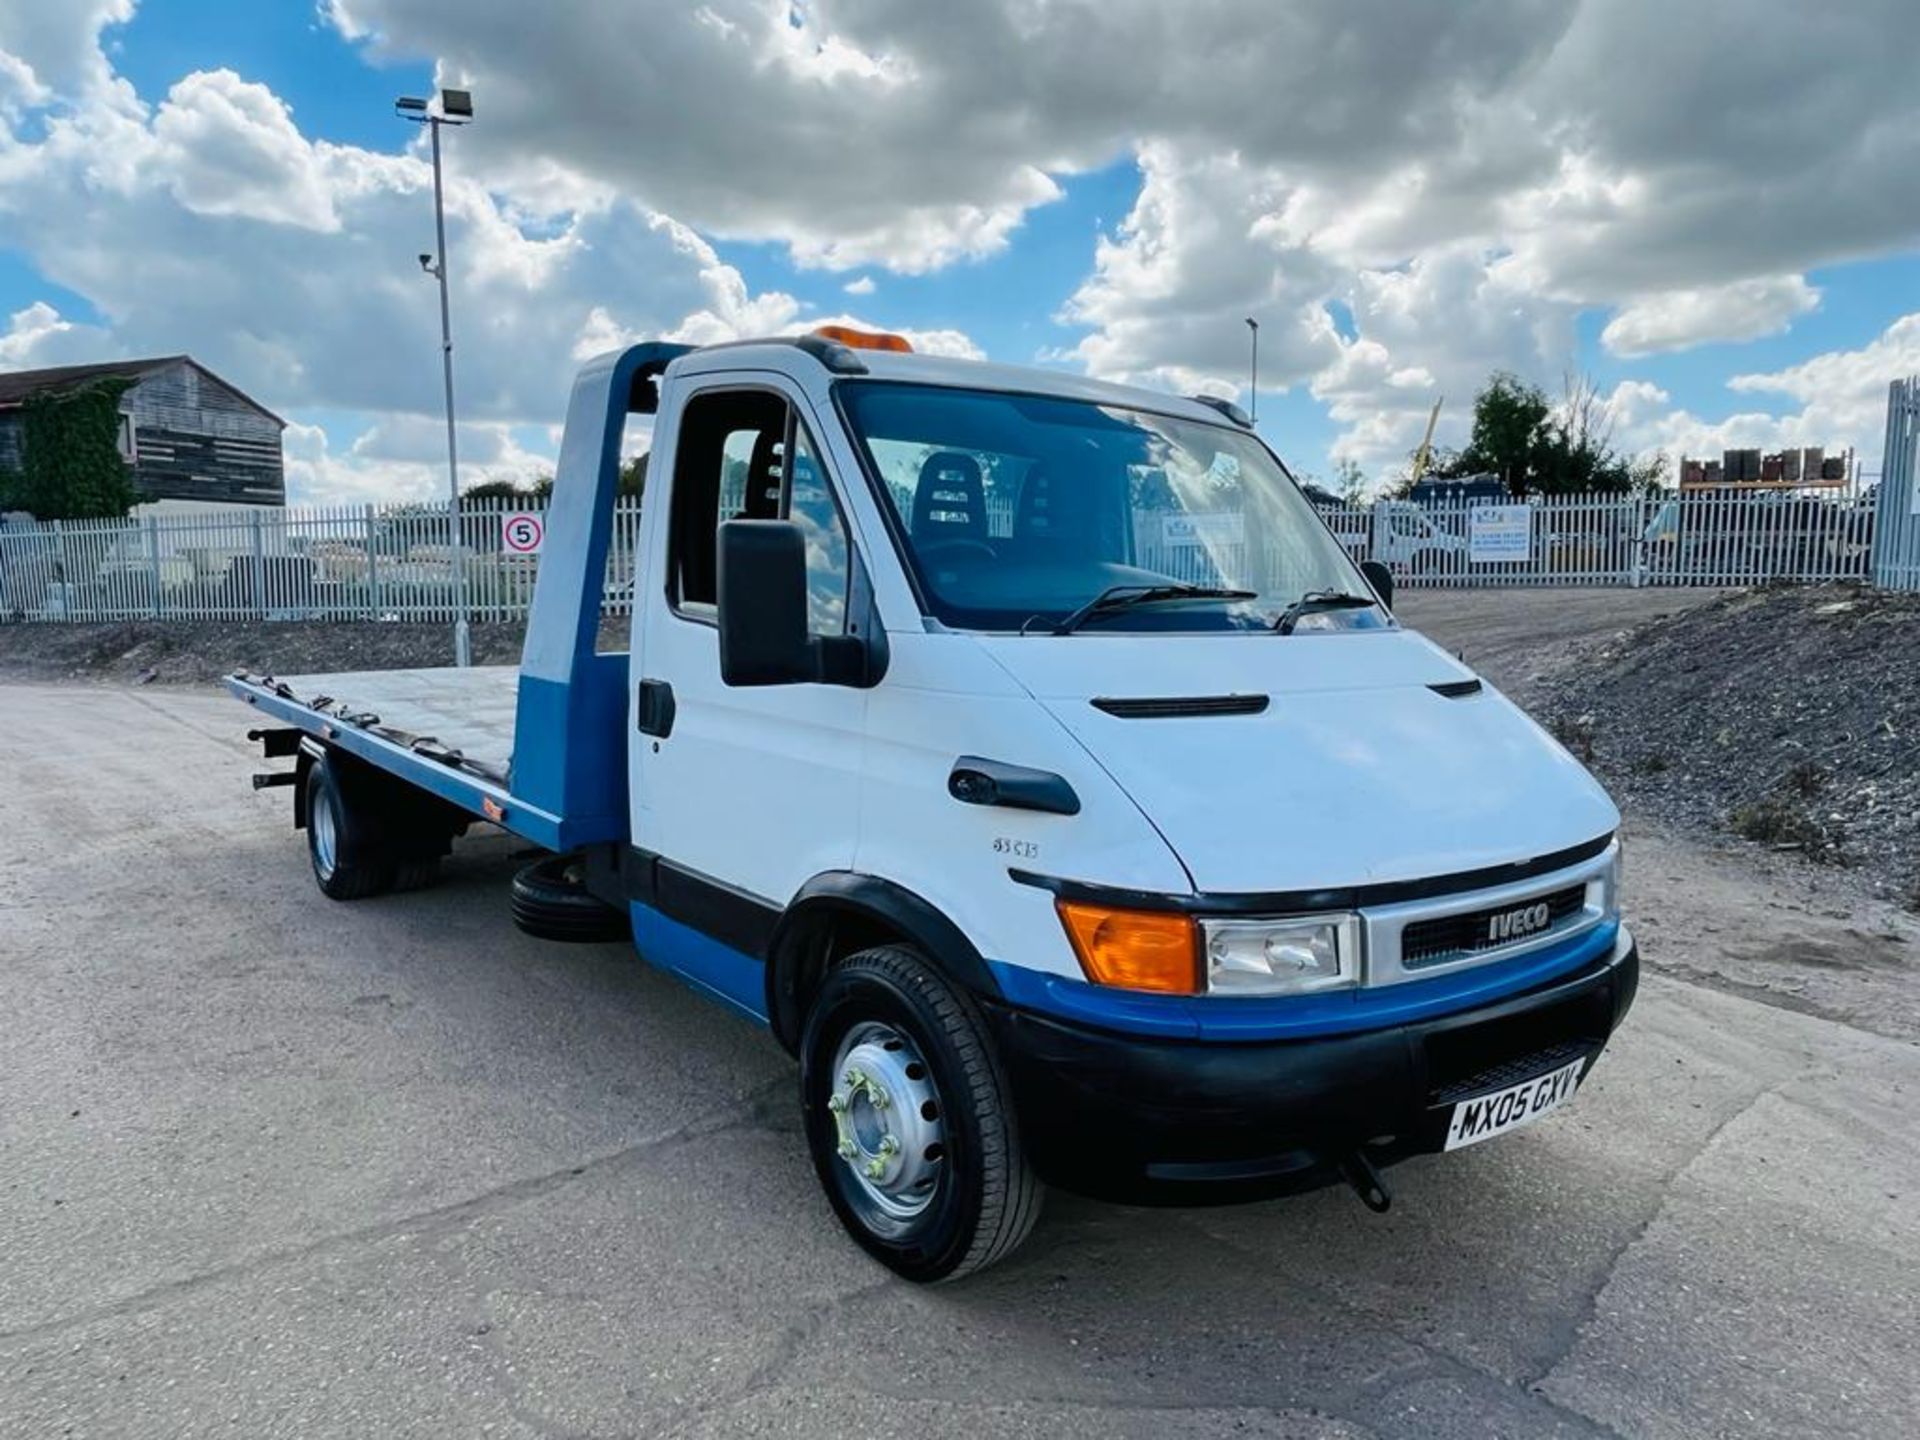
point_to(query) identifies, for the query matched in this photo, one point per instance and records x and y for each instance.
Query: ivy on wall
(71, 467)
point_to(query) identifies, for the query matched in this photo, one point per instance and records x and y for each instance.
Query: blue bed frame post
(569, 739)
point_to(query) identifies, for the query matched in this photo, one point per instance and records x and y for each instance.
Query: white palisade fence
(370, 562)
(361, 562)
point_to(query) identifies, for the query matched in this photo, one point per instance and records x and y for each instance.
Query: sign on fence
(522, 533)
(1223, 527)
(1500, 532)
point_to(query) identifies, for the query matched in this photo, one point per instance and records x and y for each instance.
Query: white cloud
(1679, 319)
(229, 147)
(1841, 400)
(50, 47)
(862, 286)
(1171, 291)
(801, 123)
(402, 458)
(1842, 377)
(1465, 179)
(211, 224)
(38, 336)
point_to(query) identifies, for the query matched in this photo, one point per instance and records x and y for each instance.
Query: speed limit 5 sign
(522, 534)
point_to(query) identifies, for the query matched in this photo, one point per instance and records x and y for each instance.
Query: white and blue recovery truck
(1028, 756)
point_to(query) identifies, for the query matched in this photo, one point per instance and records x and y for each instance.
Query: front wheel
(909, 1120)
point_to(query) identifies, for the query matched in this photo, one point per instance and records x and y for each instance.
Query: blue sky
(1123, 235)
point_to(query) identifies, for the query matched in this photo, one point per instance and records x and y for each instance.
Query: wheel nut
(889, 1145)
(836, 1104)
(876, 1168)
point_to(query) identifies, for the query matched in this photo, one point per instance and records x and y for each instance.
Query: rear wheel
(909, 1119)
(347, 863)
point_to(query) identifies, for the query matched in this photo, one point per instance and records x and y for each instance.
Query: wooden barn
(190, 437)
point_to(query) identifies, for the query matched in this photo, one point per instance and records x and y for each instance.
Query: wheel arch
(840, 912)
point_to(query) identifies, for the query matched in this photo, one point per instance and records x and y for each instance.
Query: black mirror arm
(1381, 579)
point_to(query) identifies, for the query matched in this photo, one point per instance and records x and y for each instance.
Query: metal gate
(1896, 534)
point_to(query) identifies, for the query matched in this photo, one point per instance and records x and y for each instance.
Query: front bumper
(1159, 1121)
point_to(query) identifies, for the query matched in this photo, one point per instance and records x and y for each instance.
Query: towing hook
(1367, 1182)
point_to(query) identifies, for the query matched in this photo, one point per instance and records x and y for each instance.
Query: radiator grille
(1433, 942)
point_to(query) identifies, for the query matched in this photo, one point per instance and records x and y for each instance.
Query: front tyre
(909, 1120)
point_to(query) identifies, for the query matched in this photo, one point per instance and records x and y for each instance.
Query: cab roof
(787, 355)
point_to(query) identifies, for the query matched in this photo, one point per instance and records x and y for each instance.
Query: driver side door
(743, 794)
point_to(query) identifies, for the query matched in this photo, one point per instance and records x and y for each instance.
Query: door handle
(656, 709)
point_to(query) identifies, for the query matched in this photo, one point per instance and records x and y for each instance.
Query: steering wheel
(933, 548)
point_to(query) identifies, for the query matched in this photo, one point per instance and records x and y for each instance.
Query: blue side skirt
(731, 976)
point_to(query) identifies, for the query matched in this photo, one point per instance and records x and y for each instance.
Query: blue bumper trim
(1182, 1017)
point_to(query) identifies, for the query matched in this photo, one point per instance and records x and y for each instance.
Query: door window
(733, 464)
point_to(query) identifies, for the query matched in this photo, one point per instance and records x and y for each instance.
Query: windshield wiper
(1123, 597)
(1316, 600)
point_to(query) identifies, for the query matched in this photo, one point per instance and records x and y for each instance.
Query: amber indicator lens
(1134, 949)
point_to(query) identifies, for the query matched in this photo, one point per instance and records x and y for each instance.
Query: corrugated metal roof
(17, 385)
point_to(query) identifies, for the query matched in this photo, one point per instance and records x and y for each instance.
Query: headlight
(1281, 957)
(1610, 881)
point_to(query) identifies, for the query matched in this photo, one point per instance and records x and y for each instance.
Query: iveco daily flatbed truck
(1027, 755)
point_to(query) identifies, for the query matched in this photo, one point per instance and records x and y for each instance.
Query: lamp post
(455, 108)
(1253, 369)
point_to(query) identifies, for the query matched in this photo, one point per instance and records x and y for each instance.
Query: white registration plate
(1486, 1116)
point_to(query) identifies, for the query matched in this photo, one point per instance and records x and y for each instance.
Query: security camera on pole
(455, 108)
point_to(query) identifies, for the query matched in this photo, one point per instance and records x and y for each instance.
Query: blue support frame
(568, 785)
(570, 741)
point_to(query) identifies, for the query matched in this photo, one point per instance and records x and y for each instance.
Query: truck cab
(1029, 757)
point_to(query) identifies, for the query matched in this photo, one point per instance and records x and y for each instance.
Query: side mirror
(762, 589)
(1381, 579)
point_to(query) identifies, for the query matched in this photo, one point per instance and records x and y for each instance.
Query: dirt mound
(189, 652)
(1789, 716)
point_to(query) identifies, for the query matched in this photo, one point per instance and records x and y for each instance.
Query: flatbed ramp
(449, 731)
(469, 710)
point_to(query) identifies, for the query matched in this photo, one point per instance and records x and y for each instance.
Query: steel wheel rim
(888, 1127)
(326, 834)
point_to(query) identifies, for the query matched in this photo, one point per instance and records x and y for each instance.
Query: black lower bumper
(1152, 1121)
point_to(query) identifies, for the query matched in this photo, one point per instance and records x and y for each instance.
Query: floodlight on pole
(1253, 369)
(455, 108)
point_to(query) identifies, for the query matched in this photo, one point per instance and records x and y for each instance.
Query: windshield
(1017, 510)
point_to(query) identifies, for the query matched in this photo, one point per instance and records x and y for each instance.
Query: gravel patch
(1789, 717)
(200, 652)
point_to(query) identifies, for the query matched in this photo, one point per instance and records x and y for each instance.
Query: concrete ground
(275, 1166)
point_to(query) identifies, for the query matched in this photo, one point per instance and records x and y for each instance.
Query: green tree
(1350, 482)
(494, 490)
(632, 485)
(72, 468)
(1510, 419)
(1538, 447)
